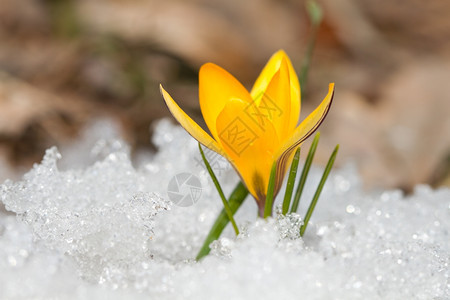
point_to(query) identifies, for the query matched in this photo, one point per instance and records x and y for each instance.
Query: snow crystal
(90, 225)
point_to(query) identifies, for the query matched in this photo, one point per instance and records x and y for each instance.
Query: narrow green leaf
(319, 190)
(236, 199)
(270, 189)
(305, 171)
(314, 12)
(315, 16)
(219, 190)
(291, 182)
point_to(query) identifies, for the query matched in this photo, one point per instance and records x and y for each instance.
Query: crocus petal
(303, 131)
(251, 133)
(275, 104)
(249, 146)
(272, 66)
(216, 88)
(188, 124)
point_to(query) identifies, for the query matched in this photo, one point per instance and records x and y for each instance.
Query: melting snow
(88, 224)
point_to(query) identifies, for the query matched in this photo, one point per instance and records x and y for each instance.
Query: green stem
(236, 199)
(270, 191)
(291, 182)
(319, 190)
(219, 190)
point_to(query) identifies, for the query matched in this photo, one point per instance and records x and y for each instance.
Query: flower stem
(291, 182)
(270, 191)
(305, 171)
(319, 190)
(236, 199)
(219, 190)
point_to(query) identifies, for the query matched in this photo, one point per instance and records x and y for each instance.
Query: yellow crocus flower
(257, 129)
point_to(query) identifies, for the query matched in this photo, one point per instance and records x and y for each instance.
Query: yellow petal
(272, 66)
(304, 130)
(275, 104)
(216, 88)
(249, 147)
(191, 127)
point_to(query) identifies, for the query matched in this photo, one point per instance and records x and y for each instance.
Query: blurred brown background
(65, 62)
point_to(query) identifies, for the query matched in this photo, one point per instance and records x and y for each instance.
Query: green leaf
(315, 16)
(291, 182)
(305, 171)
(319, 190)
(236, 199)
(314, 12)
(270, 189)
(219, 189)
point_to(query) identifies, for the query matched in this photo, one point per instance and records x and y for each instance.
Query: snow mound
(90, 225)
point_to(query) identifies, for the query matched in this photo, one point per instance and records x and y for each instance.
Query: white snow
(90, 225)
